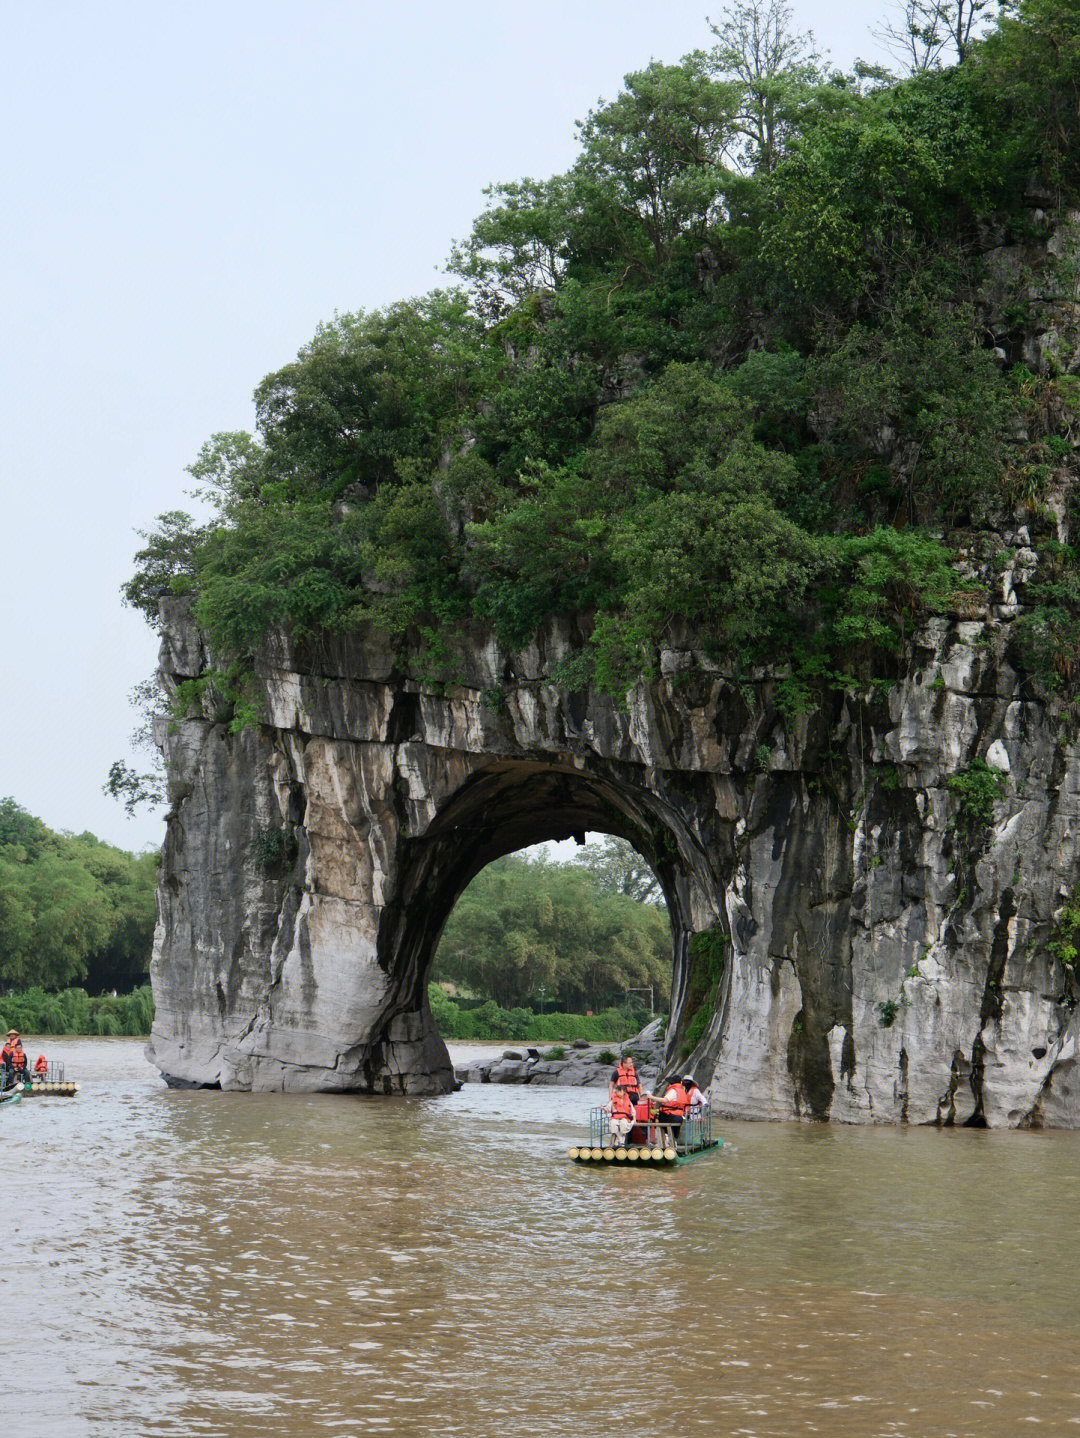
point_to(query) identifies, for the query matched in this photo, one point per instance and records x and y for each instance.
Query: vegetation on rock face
(71, 908)
(705, 959)
(733, 368)
(979, 787)
(530, 932)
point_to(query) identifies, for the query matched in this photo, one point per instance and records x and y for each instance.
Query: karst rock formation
(888, 955)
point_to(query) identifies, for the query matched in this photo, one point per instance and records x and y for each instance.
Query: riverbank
(576, 1065)
(485, 1021)
(74, 1012)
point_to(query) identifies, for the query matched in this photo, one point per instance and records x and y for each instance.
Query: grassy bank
(73, 1011)
(489, 1021)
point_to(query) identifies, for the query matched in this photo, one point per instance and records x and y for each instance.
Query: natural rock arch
(509, 805)
(310, 864)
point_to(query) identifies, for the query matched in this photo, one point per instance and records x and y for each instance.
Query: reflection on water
(232, 1264)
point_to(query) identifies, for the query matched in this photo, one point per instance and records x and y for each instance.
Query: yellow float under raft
(49, 1089)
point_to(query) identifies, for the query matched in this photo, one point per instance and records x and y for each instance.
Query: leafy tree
(619, 869)
(925, 32)
(776, 71)
(165, 563)
(915, 387)
(891, 576)
(71, 907)
(1028, 78)
(524, 924)
(726, 372)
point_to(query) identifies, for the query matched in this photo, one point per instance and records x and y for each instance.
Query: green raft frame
(695, 1139)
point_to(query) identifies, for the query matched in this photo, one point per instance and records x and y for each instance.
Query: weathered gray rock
(508, 1071)
(310, 865)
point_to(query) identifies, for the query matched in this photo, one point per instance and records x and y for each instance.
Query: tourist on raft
(13, 1059)
(696, 1097)
(625, 1077)
(622, 1115)
(41, 1067)
(674, 1107)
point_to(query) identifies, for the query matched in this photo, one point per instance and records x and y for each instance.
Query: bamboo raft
(50, 1083)
(49, 1089)
(641, 1154)
(695, 1138)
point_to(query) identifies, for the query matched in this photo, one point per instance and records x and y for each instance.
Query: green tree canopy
(71, 908)
(526, 925)
(751, 328)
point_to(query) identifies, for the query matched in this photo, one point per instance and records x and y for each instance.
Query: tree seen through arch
(541, 931)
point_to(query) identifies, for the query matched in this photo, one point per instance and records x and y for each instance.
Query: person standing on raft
(625, 1077)
(13, 1059)
(622, 1096)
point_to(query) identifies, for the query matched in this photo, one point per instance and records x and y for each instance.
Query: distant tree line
(33, 1011)
(530, 932)
(72, 909)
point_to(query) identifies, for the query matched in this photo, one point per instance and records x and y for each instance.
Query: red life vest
(621, 1106)
(626, 1074)
(42, 1065)
(676, 1106)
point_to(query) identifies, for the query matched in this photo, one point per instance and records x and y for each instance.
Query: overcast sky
(187, 192)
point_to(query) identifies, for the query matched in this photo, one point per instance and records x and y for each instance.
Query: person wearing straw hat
(13, 1058)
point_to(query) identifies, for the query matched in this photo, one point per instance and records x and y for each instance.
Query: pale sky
(188, 191)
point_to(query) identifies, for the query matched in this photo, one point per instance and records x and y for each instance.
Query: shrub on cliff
(747, 326)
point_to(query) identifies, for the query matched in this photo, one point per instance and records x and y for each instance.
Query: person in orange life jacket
(41, 1066)
(625, 1077)
(697, 1099)
(622, 1115)
(13, 1059)
(673, 1107)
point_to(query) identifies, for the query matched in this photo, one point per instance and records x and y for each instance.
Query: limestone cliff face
(887, 953)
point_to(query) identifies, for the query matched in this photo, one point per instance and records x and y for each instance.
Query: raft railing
(695, 1133)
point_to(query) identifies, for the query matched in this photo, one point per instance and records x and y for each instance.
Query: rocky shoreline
(579, 1064)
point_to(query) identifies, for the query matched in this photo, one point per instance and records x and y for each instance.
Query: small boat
(695, 1138)
(13, 1094)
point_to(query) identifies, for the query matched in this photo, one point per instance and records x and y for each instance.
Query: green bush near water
(73, 1011)
(489, 1021)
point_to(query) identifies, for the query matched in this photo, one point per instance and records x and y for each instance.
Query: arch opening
(512, 805)
(555, 943)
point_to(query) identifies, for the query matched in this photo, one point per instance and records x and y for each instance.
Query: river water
(274, 1265)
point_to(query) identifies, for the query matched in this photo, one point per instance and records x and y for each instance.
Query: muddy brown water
(233, 1264)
